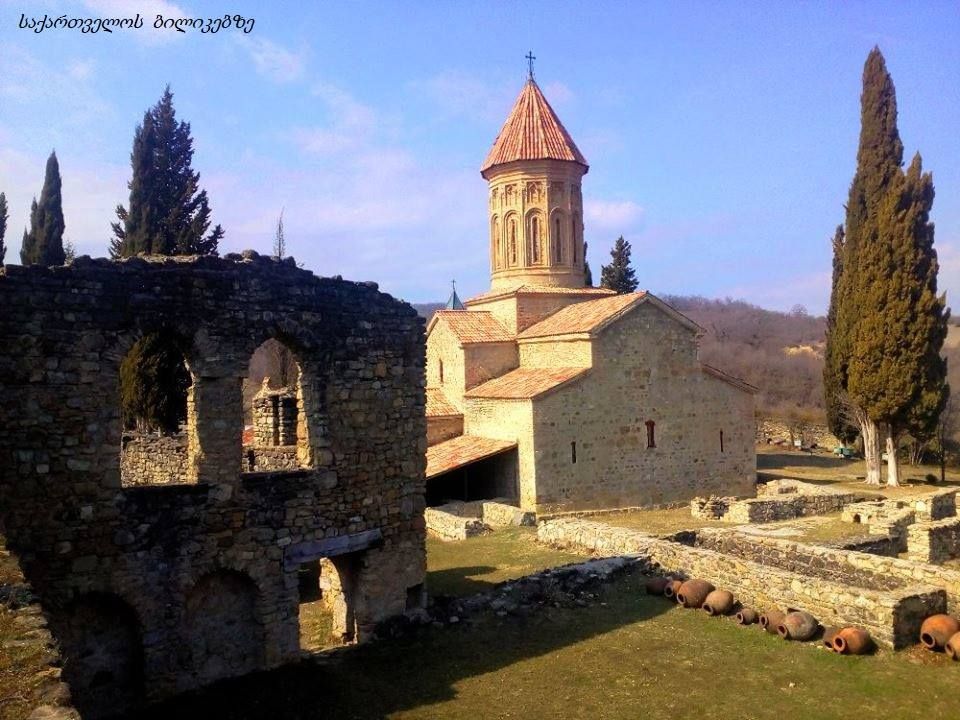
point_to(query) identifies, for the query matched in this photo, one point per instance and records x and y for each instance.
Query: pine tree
(3, 226)
(896, 371)
(618, 275)
(153, 385)
(879, 157)
(587, 272)
(43, 243)
(168, 214)
(834, 392)
(279, 239)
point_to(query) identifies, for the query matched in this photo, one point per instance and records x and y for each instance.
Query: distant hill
(780, 353)
(427, 309)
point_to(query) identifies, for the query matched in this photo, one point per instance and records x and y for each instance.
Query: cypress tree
(3, 226)
(834, 391)
(168, 214)
(618, 275)
(153, 385)
(879, 157)
(43, 243)
(587, 272)
(896, 370)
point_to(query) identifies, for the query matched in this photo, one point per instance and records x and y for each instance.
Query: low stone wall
(447, 525)
(768, 572)
(772, 429)
(460, 520)
(777, 500)
(934, 542)
(150, 459)
(887, 545)
(937, 505)
(258, 458)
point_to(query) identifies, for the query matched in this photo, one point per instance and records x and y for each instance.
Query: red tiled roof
(730, 379)
(438, 405)
(582, 317)
(525, 383)
(462, 450)
(472, 326)
(532, 132)
(539, 290)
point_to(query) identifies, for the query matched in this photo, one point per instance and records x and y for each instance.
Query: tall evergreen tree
(834, 392)
(279, 239)
(168, 214)
(879, 157)
(896, 371)
(619, 275)
(43, 243)
(587, 272)
(3, 226)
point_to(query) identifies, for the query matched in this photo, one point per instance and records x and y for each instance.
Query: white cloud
(457, 94)
(613, 215)
(557, 93)
(81, 69)
(274, 61)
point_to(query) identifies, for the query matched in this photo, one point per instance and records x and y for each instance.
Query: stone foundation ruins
(153, 587)
(776, 500)
(461, 520)
(888, 597)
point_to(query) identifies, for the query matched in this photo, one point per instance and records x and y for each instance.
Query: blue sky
(721, 136)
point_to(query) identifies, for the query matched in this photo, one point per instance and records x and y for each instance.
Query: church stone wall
(556, 353)
(485, 361)
(177, 562)
(444, 347)
(645, 368)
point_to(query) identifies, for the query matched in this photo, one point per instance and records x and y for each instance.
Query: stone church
(563, 397)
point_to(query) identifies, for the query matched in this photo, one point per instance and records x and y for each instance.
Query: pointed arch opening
(535, 232)
(558, 256)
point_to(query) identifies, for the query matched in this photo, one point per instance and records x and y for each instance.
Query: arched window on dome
(496, 242)
(573, 240)
(536, 241)
(513, 241)
(557, 240)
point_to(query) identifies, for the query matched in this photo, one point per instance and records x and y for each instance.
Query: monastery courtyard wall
(152, 590)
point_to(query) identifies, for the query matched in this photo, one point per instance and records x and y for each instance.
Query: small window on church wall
(440, 368)
(573, 452)
(721, 441)
(651, 434)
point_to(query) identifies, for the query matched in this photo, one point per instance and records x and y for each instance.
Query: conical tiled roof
(532, 132)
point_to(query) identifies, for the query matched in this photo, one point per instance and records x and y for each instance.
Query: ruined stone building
(161, 583)
(564, 397)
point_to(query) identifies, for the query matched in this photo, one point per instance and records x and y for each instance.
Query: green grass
(636, 656)
(477, 564)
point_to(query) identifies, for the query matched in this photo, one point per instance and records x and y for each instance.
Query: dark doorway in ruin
(100, 643)
(223, 627)
(327, 608)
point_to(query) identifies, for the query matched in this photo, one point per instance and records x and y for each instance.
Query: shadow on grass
(390, 676)
(770, 461)
(460, 581)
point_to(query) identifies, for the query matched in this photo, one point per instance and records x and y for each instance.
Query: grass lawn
(634, 657)
(477, 564)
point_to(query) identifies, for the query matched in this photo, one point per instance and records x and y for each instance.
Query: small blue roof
(454, 302)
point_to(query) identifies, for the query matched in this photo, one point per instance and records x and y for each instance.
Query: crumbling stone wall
(151, 459)
(934, 542)
(777, 500)
(209, 567)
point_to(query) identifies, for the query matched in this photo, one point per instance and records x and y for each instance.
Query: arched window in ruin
(155, 387)
(222, 626)
(99, 638)
(275, 424)
(651, 434)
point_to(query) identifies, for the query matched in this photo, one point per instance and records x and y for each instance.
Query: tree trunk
(893, 462)
(871, 446)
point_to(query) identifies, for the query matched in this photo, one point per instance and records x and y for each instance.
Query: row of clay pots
(848, 640)
(941, 632)
(693, 594)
